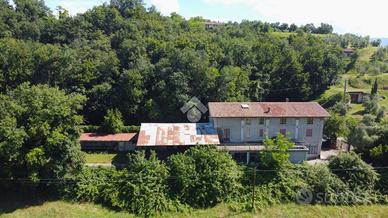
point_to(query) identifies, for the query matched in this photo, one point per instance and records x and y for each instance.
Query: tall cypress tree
(374, 88)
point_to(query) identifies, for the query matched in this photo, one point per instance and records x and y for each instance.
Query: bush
(352, 170)
(92, 185)
(141, 188)
(323, 183)
(204, 176)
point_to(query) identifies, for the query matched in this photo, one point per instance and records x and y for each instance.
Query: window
(283, 131)
(261, 132)
(224, 134)
(309, 132)
(283, 120)
(261, 120)
(248, 132)
(310, 120)
(248, 121)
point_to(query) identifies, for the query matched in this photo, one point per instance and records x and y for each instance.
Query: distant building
(108, 142)
(347, 52)
(357, 97)
(212, 24)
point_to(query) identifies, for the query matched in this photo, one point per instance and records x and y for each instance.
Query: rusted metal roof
(97, 137)
(266, 109)
(177, 134)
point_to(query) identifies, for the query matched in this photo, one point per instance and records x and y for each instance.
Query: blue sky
(355, 16)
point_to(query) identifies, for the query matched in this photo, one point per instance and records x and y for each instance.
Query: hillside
(357, 81)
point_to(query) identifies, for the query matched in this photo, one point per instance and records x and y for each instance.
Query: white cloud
(166, 7)
(356, 16)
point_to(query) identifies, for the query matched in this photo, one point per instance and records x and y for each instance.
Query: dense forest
(127, 57)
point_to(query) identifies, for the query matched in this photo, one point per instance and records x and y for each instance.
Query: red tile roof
(96, 137)
(266, 109)
(177, 134)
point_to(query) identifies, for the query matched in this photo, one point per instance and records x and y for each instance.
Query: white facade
(308, 131)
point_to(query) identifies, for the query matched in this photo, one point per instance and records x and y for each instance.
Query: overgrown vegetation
(204, 177)
(39, 132)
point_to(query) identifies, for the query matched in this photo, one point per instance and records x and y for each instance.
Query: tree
(113, 122)
(39, 133)
(375, 42)
(375, 88)
(275, 155)
(203, 176)
(338, 126)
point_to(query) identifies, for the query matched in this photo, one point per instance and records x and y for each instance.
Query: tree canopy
(122, 55)
(39, 131)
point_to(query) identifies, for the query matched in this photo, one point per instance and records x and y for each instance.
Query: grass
(69, 210)
(366, 53)
(99, 157)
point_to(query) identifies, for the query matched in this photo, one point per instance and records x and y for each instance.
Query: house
(242, 125)
(171, 138)
(212, 24)
(108, 142)
(240, 128)
(347, 52)
(357, 97)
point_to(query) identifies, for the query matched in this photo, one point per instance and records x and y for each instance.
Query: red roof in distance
(98, 137)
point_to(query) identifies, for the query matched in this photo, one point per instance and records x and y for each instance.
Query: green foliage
(338, 126)
(91, 128)
(352, 170)
(39, 131)
(93, 185)
(112, 122)
(204, 176)
(122, 55)
(275, 155)
(142, 186)
(341, 108)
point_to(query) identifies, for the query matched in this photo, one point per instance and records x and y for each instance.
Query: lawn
(99, 157)
(65, 209)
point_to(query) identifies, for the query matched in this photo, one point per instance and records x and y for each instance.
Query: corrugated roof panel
(176, 134)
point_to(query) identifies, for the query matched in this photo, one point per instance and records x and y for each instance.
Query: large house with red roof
(242, 125)
(240, 129)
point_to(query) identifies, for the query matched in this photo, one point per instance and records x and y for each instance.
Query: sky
(362, 17)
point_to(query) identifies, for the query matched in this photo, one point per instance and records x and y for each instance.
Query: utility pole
(345, 89)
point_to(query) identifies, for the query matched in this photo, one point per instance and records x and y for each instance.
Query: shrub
(92, 185)
(322, 183)
(112, 122)
(352, 170)
(141, 188)
(204, 176)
